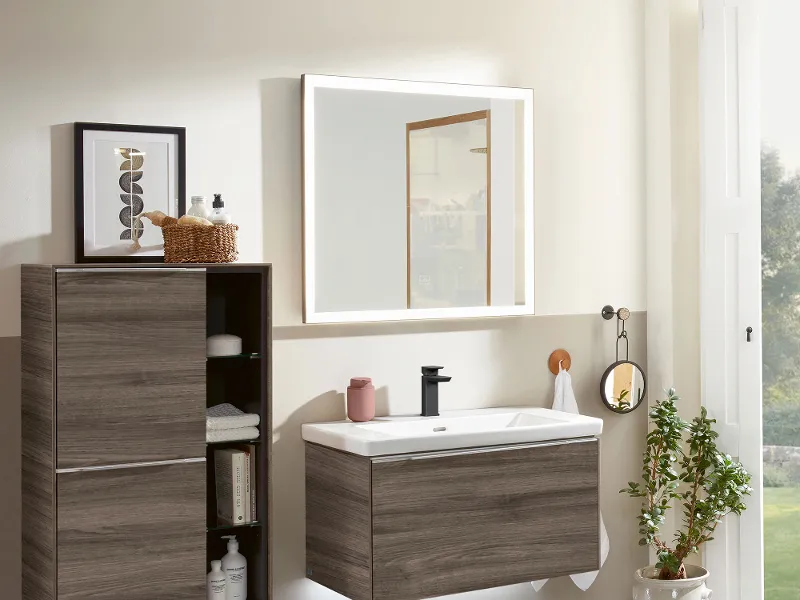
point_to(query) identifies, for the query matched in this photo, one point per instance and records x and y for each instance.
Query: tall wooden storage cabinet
(117, 478)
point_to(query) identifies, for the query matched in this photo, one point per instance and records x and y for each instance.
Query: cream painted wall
(673, 202)
(673, 197)
(685, 187)
(228, 72)
(214, 67)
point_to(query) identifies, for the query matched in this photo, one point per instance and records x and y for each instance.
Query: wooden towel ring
(557, 356)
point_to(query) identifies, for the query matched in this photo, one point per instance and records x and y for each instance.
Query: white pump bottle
(234, 565)
(216, 582)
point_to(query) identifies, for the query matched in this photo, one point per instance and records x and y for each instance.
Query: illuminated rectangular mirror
(418, 200)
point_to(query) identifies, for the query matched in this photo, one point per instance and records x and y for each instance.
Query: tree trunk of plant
(668, 575)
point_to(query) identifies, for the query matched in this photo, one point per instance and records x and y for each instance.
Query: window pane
(780, 190)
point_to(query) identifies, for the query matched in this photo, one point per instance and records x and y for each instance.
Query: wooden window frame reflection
(439, 122)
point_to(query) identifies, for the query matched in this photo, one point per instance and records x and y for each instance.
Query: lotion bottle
(216, 581)
(234, 566)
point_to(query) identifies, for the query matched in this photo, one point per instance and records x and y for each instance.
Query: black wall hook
(608, 312)
(623, 314)
(626, 394)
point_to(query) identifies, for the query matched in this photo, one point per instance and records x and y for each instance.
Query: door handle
(749, 331)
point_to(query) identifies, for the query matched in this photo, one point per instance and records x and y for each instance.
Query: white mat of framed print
(121, 172)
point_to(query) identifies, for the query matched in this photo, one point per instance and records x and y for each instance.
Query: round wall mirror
(623, 386)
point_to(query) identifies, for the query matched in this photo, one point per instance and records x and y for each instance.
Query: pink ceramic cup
(360, 400)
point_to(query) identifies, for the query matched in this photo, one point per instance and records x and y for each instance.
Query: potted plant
(708, 485)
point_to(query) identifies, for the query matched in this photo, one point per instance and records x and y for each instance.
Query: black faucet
(430, 390)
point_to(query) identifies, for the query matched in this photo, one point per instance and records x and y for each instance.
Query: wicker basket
(200, 244)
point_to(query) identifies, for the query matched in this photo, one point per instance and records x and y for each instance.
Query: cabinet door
(132, 533)
(455, 522)
(130, 365)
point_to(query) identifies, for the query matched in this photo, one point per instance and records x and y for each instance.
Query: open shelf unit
(238, 302)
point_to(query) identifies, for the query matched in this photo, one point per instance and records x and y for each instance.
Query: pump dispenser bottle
(234, 566)
(219, 216)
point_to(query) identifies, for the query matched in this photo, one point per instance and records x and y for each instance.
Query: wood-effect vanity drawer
(407, 527)
(132, 533)
(465, 521)
(131, 366)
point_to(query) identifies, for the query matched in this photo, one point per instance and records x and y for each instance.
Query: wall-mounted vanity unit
(117, 477)
(404, 508)
(417, 198)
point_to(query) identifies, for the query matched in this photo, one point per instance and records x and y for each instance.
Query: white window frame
(730, 275)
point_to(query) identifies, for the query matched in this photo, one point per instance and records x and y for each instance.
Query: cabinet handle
(749, 331)
(480, 450)
(155, 463)
(129, 269)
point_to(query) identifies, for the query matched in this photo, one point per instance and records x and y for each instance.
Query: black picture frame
(79, 129)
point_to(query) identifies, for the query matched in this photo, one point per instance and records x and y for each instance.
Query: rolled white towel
(232, 435)
(227, 416)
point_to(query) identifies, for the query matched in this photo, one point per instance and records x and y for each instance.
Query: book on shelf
(230, 474)
(251, 480)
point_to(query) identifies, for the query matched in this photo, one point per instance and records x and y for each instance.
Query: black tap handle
(431, 370)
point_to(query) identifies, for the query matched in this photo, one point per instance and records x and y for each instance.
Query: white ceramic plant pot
(647, 587)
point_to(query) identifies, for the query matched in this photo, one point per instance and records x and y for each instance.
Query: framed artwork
(121, 172)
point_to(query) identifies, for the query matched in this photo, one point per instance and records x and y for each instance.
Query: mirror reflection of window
(411, 209)
(449, 204)
(624, 386)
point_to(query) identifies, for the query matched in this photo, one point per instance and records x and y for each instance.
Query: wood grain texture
(448, 120)
(38, 482)
(124, 516)
(338, 521)
(130, 366)
(132, 534)
(471, 521)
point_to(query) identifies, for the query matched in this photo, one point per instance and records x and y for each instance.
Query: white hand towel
(239, 434)
(227, 416)
(564, 400)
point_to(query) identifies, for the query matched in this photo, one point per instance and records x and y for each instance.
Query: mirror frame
(309, 84)
(603, 379)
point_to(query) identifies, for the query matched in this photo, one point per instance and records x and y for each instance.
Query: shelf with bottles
(252, 542)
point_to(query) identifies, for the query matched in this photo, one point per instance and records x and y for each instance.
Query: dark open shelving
(227, 444)
(238, 302)
(251, 355)
(230, 528)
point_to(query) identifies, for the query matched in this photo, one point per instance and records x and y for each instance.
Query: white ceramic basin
(451, 430)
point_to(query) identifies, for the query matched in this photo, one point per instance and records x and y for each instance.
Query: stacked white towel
(226, 423)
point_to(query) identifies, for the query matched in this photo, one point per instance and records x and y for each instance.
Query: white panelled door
(731, 275)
